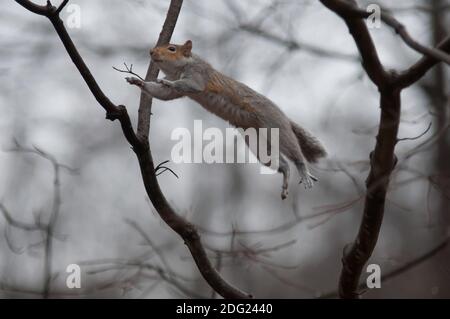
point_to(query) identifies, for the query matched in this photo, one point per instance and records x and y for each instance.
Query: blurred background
(94, 212)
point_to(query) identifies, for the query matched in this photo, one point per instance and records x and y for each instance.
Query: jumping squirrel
(189, 75)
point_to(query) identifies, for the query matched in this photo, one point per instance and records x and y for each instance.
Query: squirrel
(189, 75)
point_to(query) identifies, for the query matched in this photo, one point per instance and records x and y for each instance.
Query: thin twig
(128, 70)
(416, 137)
(160, 168)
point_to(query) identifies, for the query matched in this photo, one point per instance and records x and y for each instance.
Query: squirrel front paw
(135, 81)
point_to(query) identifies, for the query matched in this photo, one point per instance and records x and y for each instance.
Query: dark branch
(113, 112)
(416, 137)
(140, 143)
(129, 70)
(61, 6)
(293, 45)
(349, 9)
(403, 268)
(19, 224)
(418, 70)
(382, 159)
(183, 228)
(41, 10)
(145, 104)
(358, 29)
(160, 168)
(399, 28)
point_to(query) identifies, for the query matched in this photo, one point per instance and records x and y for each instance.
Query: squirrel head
(171, 57)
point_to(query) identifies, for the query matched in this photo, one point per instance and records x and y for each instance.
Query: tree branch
(19, 224)
(349, 9)
(140, 142)
(382, 159)
(129, 70)
(382, 163)
(418, 70)
(293, 45)
(370, 60)
(403, 268)
(145, 104)
(400, 29)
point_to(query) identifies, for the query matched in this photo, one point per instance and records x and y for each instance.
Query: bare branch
(145, 104)
(48, 229)
(41, 10)
(119, 264)
(160, 168)
(399, 28)
(349, 10)
(18, 224)
(182, 227)
(129, 70)
(416, 137)
(293, 45)
(358, 29)
(113, 112)
(61, 6)
(418, 70)
(140, 142)
(382, 159)
(403, 268)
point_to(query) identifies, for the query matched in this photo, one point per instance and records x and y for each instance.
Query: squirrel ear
(187, 48)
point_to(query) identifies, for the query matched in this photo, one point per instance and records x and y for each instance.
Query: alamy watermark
(73, 280)
(374, 279)
(210, 145)
(73, 17)
(374, 19)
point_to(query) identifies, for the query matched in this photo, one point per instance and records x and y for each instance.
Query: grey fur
(238, 104)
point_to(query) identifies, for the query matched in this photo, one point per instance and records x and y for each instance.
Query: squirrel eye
(172, 49)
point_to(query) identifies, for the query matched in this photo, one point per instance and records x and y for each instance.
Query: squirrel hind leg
(306, 178)
(284, 169)
(291, 149)
(283, 166)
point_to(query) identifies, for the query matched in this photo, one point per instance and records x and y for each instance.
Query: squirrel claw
(308, 181)
(284, 193)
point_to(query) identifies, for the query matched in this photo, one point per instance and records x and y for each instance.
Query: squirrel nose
(152, 52)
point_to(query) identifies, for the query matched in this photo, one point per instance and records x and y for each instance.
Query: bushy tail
(312, 149)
